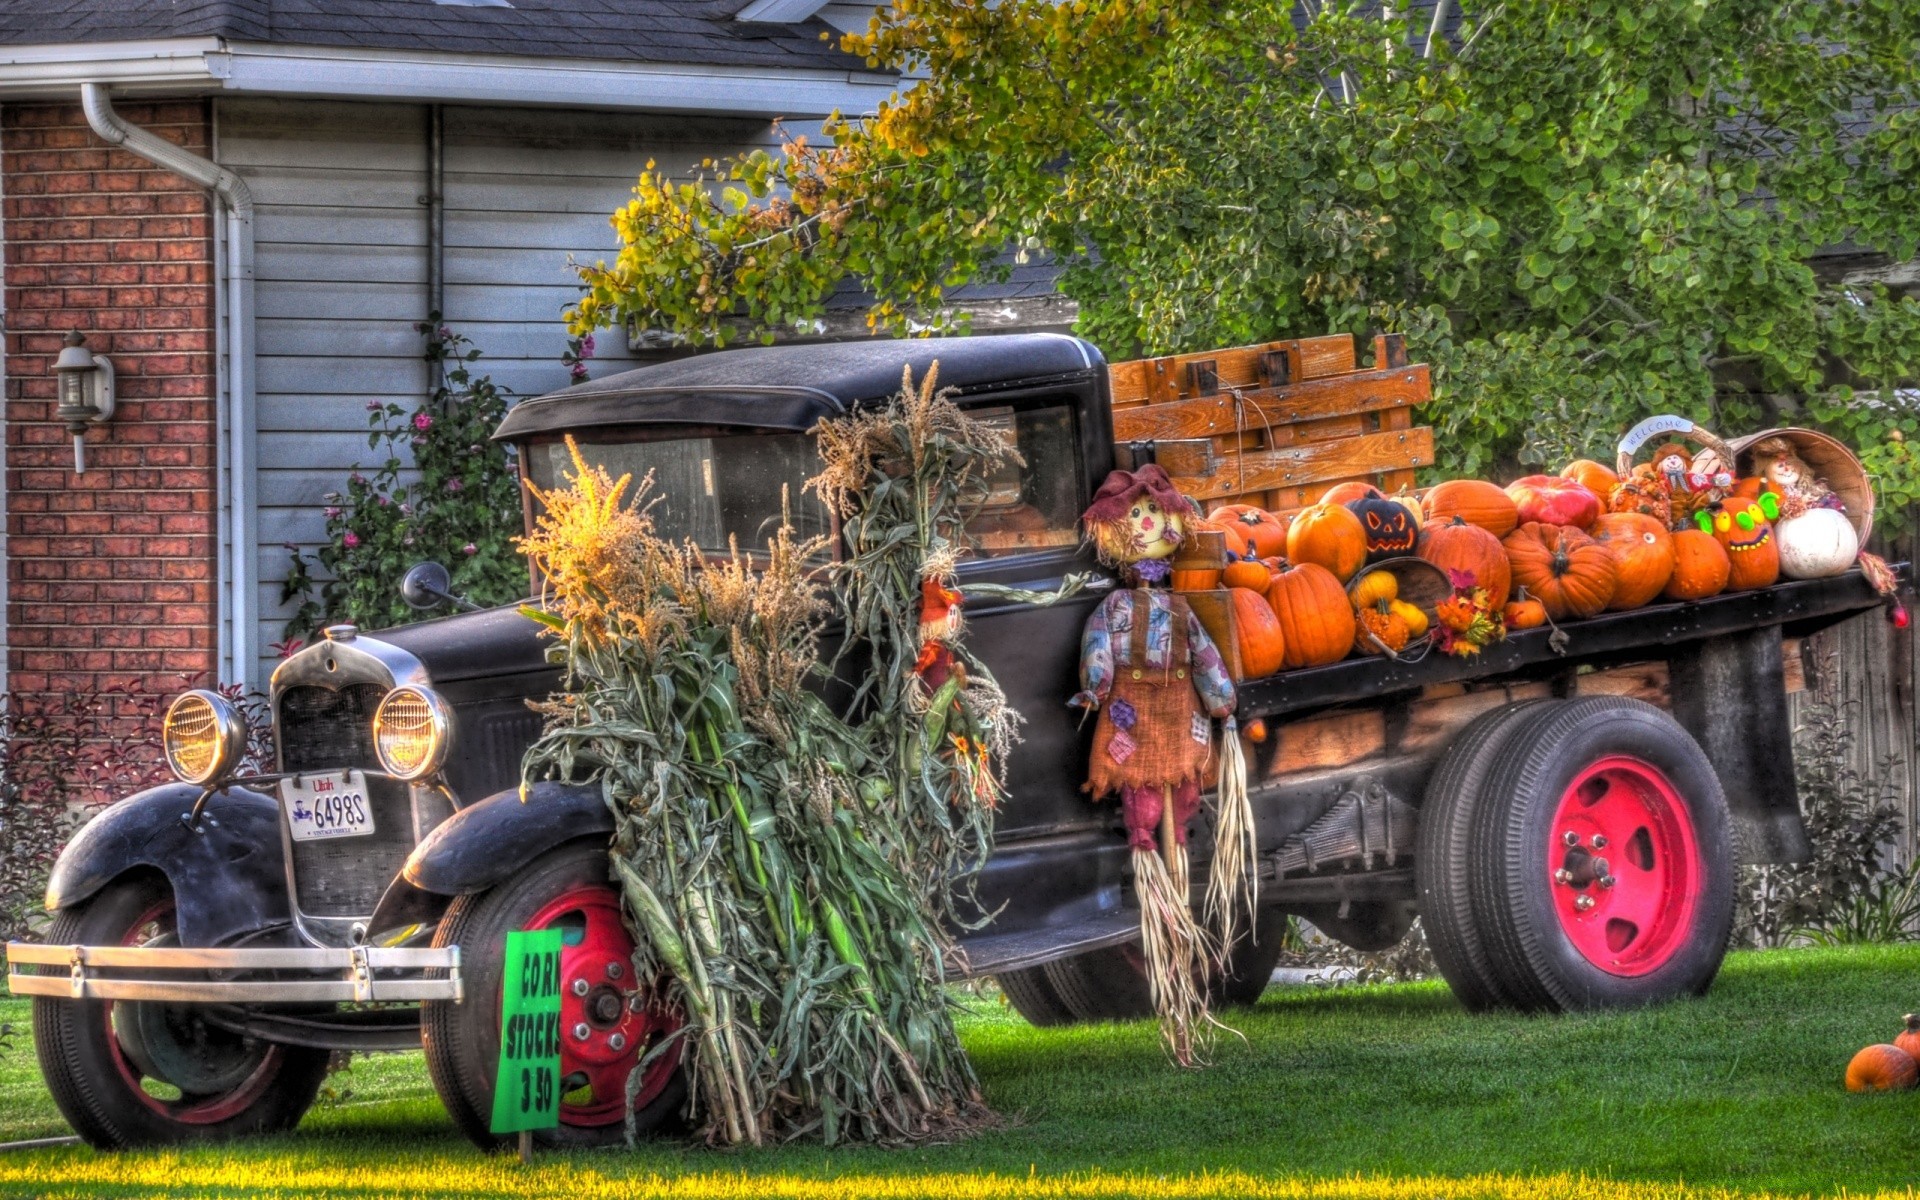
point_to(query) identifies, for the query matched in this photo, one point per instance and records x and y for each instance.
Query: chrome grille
(321, 729)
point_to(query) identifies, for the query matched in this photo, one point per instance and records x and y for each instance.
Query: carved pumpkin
(1413, 615)
(1377, 629)
(1233, 531)
(1470, 550)
(1257, 630)
(1389, 528)
(1316, 618)
(1882, 1068)
(1329, 535)
(1595, 477)
(1642, 552)
(1347, 493)
(1909, 1039)
(1552, 500)
(1569, 573)
(1265, 533)
(1524, 612)
(1817, 543)
(1700, 566)
(1475, 501)
(1201, 580)
(1247, 573)
(1743, 531)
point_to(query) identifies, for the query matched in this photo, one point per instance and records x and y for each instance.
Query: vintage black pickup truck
(1565, 815)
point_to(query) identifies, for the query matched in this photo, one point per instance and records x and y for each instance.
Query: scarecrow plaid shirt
(1108, 642)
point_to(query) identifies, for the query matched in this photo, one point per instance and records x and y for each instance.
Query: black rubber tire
(1443, 853)
(1511, 893)
(74, 1043)
(462, 1041)
(1250, 965)
(1033, 997)
(1110, 984)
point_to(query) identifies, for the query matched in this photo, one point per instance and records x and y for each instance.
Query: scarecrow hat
(1122, 488)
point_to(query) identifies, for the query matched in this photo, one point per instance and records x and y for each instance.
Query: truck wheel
(1033, 997)
(566, 888)
(1443, 855)
(127, 1073)
(1110, 984)
(1603, 866)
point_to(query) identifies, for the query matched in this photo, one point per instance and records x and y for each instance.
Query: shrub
(462, 510)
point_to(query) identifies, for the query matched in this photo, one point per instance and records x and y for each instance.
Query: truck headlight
(204, 736)
(410, 732)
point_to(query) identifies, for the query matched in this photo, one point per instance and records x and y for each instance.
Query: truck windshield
(709, 489)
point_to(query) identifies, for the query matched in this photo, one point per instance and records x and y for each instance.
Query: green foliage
(1587, 212)
(463, 510)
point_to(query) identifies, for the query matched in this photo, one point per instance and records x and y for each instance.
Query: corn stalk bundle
(762, 842)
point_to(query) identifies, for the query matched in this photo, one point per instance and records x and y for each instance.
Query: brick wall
(110, 574)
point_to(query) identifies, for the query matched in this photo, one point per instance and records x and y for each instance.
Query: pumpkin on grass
(1524, 612)
(1569, 573)
(1257, 631)
(1328, 535)
(1470, 550)
(1882, 1068)
(1316, 618)
(1642, 552)
(1264, 532)
(1474, 501)
(1700, 566)
(1247, 573)
(1597, 478)
(1909, 1039)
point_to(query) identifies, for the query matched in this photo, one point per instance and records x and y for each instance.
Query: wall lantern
(86, 393)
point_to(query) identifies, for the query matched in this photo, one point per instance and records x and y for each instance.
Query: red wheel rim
(150, 926)
(1623, 866)
(598, 996)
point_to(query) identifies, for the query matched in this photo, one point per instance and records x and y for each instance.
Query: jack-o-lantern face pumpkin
(1743, 527)
(1389, 528)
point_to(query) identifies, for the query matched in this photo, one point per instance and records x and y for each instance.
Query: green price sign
(526, 1094)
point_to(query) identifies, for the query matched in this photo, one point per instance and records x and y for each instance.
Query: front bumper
(192, 976)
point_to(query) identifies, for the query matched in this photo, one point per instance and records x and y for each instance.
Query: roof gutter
(237, 539)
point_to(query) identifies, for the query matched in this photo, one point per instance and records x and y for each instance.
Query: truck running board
(359, 973)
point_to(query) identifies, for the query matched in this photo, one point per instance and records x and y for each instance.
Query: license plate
(327, 806)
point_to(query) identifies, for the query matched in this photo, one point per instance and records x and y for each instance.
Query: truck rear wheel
(1602, 860)
(608, 1022)
(146, 1073)
(1444, 851)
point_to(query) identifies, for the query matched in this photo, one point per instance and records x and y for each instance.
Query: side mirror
(427, 585)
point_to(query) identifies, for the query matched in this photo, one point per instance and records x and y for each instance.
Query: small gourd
(1524, 612)
(1413, 615)
(1374, 587)
(1379, 630)
(1247, 573)
(1882, 1068)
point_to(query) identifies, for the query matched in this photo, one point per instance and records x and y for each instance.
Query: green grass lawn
(1369, 1093)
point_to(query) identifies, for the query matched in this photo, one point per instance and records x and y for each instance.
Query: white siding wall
(341, 269)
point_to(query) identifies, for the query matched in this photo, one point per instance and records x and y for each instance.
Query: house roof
(702, 32)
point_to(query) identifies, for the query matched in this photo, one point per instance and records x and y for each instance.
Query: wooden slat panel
(1332, 741)
(1297, 466)
(1640, 681)
(1157, 380)
(1325, 356)
(1207, 416)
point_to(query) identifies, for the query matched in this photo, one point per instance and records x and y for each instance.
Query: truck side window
(1032, 505)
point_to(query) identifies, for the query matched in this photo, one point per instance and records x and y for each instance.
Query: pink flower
(586, 346)
(422, 421)
(351, 539)
(373, 406)
(470, 549)
(331, 512)
(578, 371)
(454, 484)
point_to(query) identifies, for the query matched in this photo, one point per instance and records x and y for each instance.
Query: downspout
(436, 234)
(237, 657)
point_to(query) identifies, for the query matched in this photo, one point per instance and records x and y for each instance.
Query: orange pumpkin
(1316, 619)
(1257, 630)
(1475, 501)
(1524, 612)
(1569, 573)
(1882, 1068)
(1233, 531)
(1346, 493)
(1909, 1039)
(1470, 550)
(1700, 566)
(1247, 573)
(1744, 532)
(1642, 552)
(1195, 581)
(1266, 533)
(1596, 477)
(1329, 535)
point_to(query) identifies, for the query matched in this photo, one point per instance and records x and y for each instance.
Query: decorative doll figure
(1783, 472)
(1154, 676)
(1688, 491)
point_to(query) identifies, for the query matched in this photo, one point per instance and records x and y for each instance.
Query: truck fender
(486, 842)
(229, 875)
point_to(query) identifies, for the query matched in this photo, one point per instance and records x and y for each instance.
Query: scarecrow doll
(1157, 683)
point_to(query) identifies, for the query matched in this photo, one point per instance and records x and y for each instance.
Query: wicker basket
(1832, 462)
(1422, 584)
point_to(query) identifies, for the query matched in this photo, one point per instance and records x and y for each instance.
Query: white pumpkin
(1817, 543)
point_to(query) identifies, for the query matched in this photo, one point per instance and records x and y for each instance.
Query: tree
(1581, 213)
